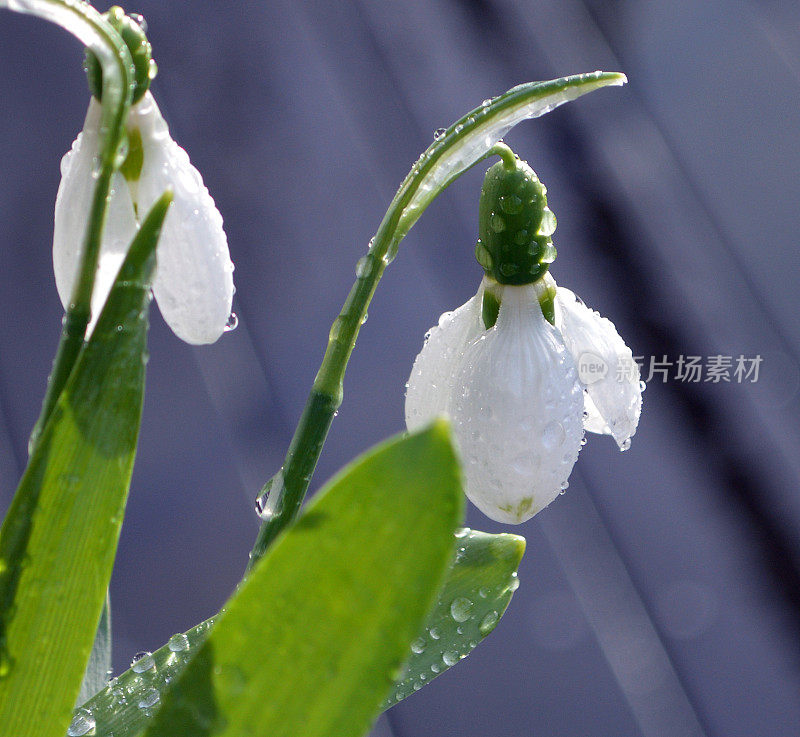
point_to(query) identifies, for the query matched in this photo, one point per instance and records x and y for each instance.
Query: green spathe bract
(59, 538)
(314, 638)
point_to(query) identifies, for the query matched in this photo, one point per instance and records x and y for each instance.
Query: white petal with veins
(616, 398)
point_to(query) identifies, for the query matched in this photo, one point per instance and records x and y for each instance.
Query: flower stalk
(97, 33)
(287, 489)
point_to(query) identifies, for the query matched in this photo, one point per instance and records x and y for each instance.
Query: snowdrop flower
(524, 367)
(194, 275)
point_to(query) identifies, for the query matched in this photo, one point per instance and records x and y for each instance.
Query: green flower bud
(515, 225)
(141, 52)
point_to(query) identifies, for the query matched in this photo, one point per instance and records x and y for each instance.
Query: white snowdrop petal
(517, 409)
(73, 205)
(194, 277)
(595, 344)
(431, 379)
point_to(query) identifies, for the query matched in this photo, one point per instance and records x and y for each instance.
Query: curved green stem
(287, 489)
(89, 26)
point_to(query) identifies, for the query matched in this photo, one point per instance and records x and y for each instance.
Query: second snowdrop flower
(503, 366)
(193, 284)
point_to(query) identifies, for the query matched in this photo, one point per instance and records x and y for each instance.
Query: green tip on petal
(135, 39)
(515, 224)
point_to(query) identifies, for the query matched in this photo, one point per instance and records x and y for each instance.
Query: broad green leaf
(313, 639)
(475, 594)
(58, 540)
(483, 573)
(471, 138)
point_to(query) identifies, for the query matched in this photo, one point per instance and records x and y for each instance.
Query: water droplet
(178, 643)
(232, 323)
(418, 646)
(488, 623)
(511, 204)
(513, 584)
(553, 435)
(339, 324)
(461, 532)
(625, 444)
(486, 102)
(82, 723)
(548, 225)
(149, 698)
(460, 609)
(139, 19)
(483, 593)
(363, 267)
(497, 223)
(450, 657)
(439, 133)
(434, 633)
(435, 668)
(142, 662)
(642, 386)
(391, 253)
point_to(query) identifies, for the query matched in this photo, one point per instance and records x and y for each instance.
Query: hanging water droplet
(142, 662)
(642, 386)
(82, 723)
(439, 133)
(450, 657)
(178, 643)
(625, 444)
(149, 699)
(488, 623)
(513, 584)
(232, 323)
(139, 19)
(460, 609)
(461, 532)
(418, 646)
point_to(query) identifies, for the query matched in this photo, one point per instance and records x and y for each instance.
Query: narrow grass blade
(58, 540)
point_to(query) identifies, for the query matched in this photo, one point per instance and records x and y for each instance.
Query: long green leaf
(477, 591)
(483, 573)
(313, 639)
(58, 540)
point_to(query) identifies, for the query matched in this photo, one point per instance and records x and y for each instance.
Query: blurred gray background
(660, 595)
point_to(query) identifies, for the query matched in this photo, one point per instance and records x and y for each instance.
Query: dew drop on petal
(450, 657)
(553, 435)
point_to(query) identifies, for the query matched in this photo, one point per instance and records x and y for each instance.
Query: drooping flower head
(524, 367)
(193, 284)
